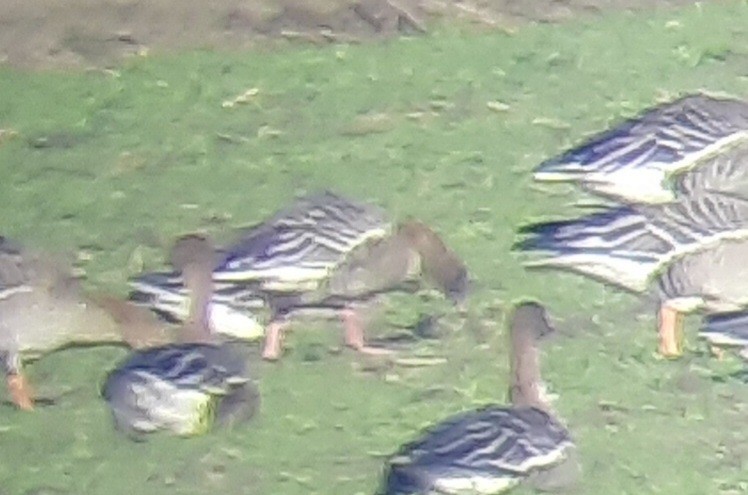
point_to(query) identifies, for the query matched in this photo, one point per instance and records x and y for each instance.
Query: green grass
(116, 164)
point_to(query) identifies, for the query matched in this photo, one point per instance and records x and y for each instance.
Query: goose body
(714, 279)
(627, 246)
(297, 247)
(485, 451)
(291, 252)
(323, 248)
(493, 448)
(634, 160)
(182, 389)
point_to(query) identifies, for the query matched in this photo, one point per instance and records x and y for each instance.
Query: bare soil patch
(98, 33)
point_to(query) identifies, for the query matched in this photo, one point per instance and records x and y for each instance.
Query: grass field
(445, 128)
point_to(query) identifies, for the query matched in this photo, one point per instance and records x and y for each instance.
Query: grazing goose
(184, 389)
(491, 449)
(410, 252)
(322, 250)
(633, 161)
(291, 252)
(42, 308)
(187, 387)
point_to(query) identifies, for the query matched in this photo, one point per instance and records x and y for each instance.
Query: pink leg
(273, 341)
(20, 392)
(353, 329)
(671, 332)
(354, 333)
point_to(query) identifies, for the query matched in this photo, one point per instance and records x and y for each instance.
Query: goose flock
(678, 228)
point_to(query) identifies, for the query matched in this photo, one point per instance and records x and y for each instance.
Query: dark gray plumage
(491, 449)
(633, 160)
(183, 389)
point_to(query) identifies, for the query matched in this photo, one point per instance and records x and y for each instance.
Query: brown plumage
(528, 323)
(194, 256)
(138, 326)
(440, 265)
(43, 308)
(412, 252)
